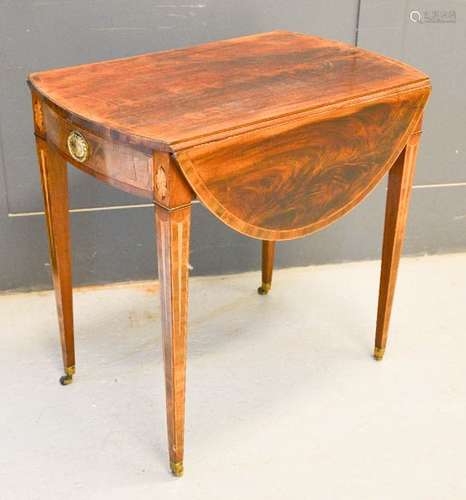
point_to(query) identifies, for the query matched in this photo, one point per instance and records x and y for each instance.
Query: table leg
(53, 171)
(268, 252)
(400, 181)
(172, 232)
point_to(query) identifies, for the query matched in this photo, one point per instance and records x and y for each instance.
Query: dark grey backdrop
(113, 237)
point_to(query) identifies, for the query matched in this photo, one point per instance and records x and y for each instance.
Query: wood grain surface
(278, 134)
(286, 181)
(188, 94)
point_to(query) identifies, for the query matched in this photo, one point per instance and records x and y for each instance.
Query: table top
(185, 97)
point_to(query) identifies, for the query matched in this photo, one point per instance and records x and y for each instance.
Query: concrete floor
(284, 400)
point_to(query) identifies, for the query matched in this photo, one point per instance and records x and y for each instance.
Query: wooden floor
(313, 417)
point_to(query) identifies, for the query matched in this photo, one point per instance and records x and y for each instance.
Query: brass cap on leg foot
(264, 289)
(177, 468)
(378, 353)
(68, 377)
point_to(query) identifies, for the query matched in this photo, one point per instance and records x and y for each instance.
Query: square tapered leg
(400, 180)
(53, 171)
(172, 232)
(268, 252)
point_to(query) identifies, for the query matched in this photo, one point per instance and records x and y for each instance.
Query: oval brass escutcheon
(78, 146)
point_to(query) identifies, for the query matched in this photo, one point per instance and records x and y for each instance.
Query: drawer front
(112, 162)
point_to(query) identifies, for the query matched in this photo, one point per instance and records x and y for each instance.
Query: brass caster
(68, 377)
(176, 468)
(264, 289)
(378, 353)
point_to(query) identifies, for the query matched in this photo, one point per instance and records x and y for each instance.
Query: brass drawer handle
(78, 146)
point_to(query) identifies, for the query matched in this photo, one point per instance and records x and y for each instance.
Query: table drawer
(116, 163)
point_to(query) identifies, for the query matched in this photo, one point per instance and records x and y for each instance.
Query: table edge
(164, 145)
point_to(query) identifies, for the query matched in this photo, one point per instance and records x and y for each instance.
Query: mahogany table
(277, 134)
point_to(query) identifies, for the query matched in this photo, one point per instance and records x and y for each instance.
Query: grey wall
(113, 239)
